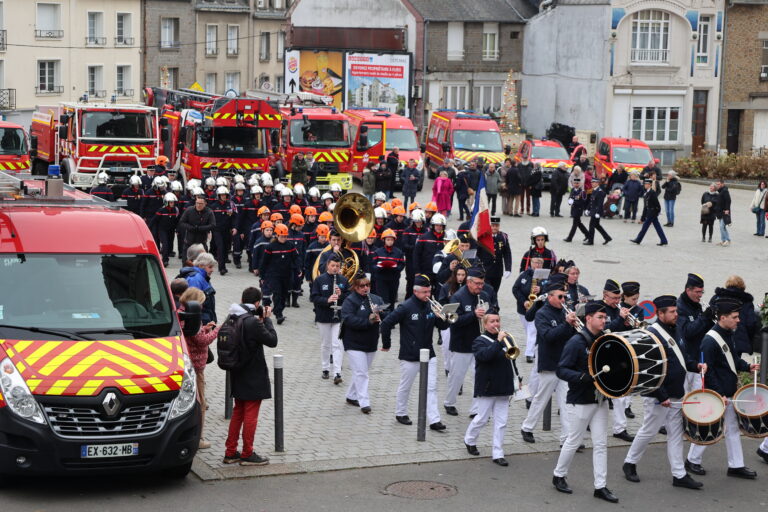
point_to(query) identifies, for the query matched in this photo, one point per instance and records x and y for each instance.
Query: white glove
(436, 267)
(368, 276)
(597, 215)
(570, 201)
(506, 274)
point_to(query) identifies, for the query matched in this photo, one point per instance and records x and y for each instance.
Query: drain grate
(421, 490)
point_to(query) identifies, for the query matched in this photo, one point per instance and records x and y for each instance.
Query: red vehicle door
(377, 140)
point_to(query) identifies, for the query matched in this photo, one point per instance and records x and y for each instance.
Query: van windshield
(12, 141)
(232, 142)
(401, 138)
(320, 132)
(83, 292)
(550, 153)
(477, 140)
(102, 124)
(623, 155)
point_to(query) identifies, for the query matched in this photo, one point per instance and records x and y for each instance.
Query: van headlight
(17, 395)
(188, 392)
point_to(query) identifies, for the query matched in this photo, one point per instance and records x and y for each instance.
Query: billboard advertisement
(314, 72)
(378, 81)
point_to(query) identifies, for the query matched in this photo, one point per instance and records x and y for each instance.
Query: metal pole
(421, 432)
(278, 366)
(548, 416)
(227, 397)
(764, 357)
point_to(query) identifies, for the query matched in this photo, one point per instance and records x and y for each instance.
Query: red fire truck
(14, 148)
(87, 138)
(207, 130)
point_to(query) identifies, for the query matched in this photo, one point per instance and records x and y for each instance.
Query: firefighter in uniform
(278, 267)
(314, 249)
(539, 239)
(102, 190)
(164, 224)
(387, 265)
(296, 237)
(427, 245)
(133, 195)
(239, 201)
(412, 233)
(224, 212)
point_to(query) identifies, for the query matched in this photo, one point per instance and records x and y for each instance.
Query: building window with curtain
(233, 40)
(211, 40)
(454, 96)
(656, 124)
(210, 83)
(455, 41)
(169, 33)
(650, 37)
(264, 47)
(702, 43)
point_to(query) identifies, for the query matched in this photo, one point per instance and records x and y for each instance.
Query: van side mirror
(604, 158)
(63, 132)
(362, 142)
(192, 317)
(423, 147)
(274, 138)
(163, 121)
(446, 147)
(164, 135)
(63, 119)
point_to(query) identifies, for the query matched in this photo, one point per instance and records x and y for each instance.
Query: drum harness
(726, 351)
(671, 342)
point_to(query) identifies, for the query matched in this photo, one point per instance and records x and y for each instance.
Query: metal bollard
(548, 416)
(228, 406)
(421, 432)
(278, 366)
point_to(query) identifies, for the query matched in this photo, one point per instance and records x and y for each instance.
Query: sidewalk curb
(705, 182)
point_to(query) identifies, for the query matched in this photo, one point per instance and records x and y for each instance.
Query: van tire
(179, 472)
(65, 173)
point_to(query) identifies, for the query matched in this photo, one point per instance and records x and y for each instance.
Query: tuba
(353, 220)
(511, 350)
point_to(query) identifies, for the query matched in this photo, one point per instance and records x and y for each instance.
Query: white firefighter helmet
(256, 190)
(266, 179)
(221, 181)
(379, 196)
(134, 181)
(438, 218)
(335, 187)
(238, 178)
(210, 182)
(299, 189)
(198, 192)
(169, 197)
(222, 191)
(239, 186)
(417, 215)
(331, 207)
(192, 184)
(327, 195)
(286, 192)
(314, 192)
(380, 213)
(253, 180)
(159, 183)
(450, 234)
(102, 178)
(176, 186)
(539, 231)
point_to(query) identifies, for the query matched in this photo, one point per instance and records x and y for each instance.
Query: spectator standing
(535, 186)
(492, 178)
(515, 190)
(197, 222)
(411, 177)
(383, 176)
(506, 206)
(462, 192)
(525, 167)
(651, 171)
(618, 177)
(758, 207)
(442, 191)
(672, 188)
(710, 201)
(299, 169)
(632, 190)
(369, 183)
(576, 173)
(200, 278)
(393, 163)
(724, 212)
(558, 186)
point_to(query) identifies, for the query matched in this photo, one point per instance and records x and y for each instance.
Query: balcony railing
(233, 52)
(211, 52)
(7, 99)
(49, 89)
(3, 40)
(49, 34)
(124, 41)
(97, 93)
(170, 45)
(125, 93)
(490, 54)
(95, 41)
(648, 56)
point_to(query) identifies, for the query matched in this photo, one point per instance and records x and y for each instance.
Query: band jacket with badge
(495, 264)
(552, 331)
(322, 288)
(720, 378)
(578, 202)
(573, 368)
(417, 321)
(522, 288)
(494, 375)
(614, 322)
(357, 332)
(692, 325)
(575, 294)
(467, 327)
(673, 385)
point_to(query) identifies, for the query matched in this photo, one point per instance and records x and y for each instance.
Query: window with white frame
(96, 82)
(264, 47)
(764, 66)
(210, 82)
(233, 40)
(486, 97)
(123, 81)
(280, 83)
(280, 45)
(454, 96)
(169, 33)
(123, 29)
(490, 41)
(702, 44)
(48, 22)
(455, 40)
(211, 40)
(48, 78)
(95, 35)
(656, 124)
(232, 81)
(173, 78)
(650, 37)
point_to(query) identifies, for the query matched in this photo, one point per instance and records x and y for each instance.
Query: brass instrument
(374, 316)
(579, 323)
(531, 296)
(353, 220)
(635, 322)
(511, 351)
(452, 247)
(481, 304)
(437, 309)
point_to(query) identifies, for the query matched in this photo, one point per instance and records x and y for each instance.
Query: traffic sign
(648, 308)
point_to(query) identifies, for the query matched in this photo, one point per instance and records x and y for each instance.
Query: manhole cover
(421, 490)
(610, 262)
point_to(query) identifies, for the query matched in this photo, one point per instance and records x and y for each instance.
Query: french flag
(480, 227)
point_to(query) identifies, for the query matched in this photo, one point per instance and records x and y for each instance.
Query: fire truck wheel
(179, 472)
(430, 171)
(65, 174)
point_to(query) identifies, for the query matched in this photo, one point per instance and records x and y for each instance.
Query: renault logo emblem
(111, 404)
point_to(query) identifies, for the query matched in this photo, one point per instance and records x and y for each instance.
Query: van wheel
(180, 472)
(428, 167)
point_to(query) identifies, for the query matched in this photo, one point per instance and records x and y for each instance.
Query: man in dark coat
(558, 186)
(651, 213)
(525, 168)
(578, 202)
(197, 222)
(724, 212)
(595, 213)
(250, 381)
(393, 164)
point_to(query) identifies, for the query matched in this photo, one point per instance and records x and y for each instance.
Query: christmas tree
(509, 122)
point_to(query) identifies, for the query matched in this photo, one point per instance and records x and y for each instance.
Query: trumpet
(579, 323)
(533, 299)
(511, 350)
(635, 322)
(437, 309)
(481, 304)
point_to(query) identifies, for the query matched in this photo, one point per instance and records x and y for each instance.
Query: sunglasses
(560, 296)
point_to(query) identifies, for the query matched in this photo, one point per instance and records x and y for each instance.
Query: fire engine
(95, 375)
(319, 130)
(235, 135)
(14, 148)
(87, 138)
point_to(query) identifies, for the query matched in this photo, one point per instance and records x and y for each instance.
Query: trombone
(437, 309)
(511, 350)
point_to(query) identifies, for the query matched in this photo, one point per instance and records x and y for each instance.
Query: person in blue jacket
(631, 191)
(327, 295)
(199, 276)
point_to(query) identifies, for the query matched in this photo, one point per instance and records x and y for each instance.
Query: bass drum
(751, 407)
(637, 362)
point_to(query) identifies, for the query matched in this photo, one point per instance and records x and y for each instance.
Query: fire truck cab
(14, 148)
(463, 136)
(375, 133)
(95, 376)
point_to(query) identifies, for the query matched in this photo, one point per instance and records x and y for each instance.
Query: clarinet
(335, 306)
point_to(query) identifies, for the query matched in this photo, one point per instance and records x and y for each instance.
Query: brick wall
(510, 50)
(182, 58)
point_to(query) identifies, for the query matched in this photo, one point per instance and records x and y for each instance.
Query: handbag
(210, 356)
(705, 209)
(727, 219)
(755, 209)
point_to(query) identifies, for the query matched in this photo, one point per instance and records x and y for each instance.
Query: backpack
(230, 348)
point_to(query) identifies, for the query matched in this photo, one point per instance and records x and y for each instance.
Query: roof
(222, 5)
(501, 11)
(374, 114)
(548, 142)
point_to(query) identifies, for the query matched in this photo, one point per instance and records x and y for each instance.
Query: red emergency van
(547, 153)
(612, 151)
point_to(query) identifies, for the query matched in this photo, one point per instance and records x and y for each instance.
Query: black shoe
(472, 416)
(606, 242)
(238, 265)
(353, 402)
(628, 413)
(696, 469)
(588, 242)
(446, 373)
(558, 215)
(635, 241)
(687, 482)
(605, 494)
(233, 459)
(580, 449)
(461, 390)
(254, 460)
(662, 244)
(667, 225)
(567, 240)
(763, 454)
(528, 436)
(502, 461)
(326, 374)
(337, 379)
(366, 409)
(624, 436)
(663, 431)
(528, 403)
(742, 472)
(472, 449)
(223, 271)
(528, 359)
(451, 410)
(630, 472)
(280, 320)
(438, 426)
(404, 420)
(561, 485)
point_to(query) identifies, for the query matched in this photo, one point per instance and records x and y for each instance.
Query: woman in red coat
(442, 192)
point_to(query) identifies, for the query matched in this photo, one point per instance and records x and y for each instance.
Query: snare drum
(752, 412)
(703, 416)
(637, 361)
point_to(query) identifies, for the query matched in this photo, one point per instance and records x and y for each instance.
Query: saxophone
(531, 296)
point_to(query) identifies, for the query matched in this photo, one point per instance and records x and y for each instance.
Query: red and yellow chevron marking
(332, 156)
(489, 157)
(118, 149)
(555, 163)
(246, 116)
(14, 166)
(84, 368)
(233, 165)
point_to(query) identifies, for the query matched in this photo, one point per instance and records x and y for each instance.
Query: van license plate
(99, 451)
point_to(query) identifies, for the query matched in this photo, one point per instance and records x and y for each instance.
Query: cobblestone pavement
(322, 432)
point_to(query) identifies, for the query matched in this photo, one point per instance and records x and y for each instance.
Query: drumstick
(754, 378)
(702, 370)
(605, 369)
(681, 403)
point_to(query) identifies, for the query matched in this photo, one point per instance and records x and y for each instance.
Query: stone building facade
(168, 43)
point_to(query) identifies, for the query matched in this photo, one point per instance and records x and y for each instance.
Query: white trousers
(733, 438)
(359, 363)
(530, 336)
(409, 370)
(548, 384)
(498, 406)
(460, 363)
(696, 451)
(654, 417)
(533, 378)
(330, 344)
(764, 445)
(445, 334)
(619, 416)
(594, 416)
